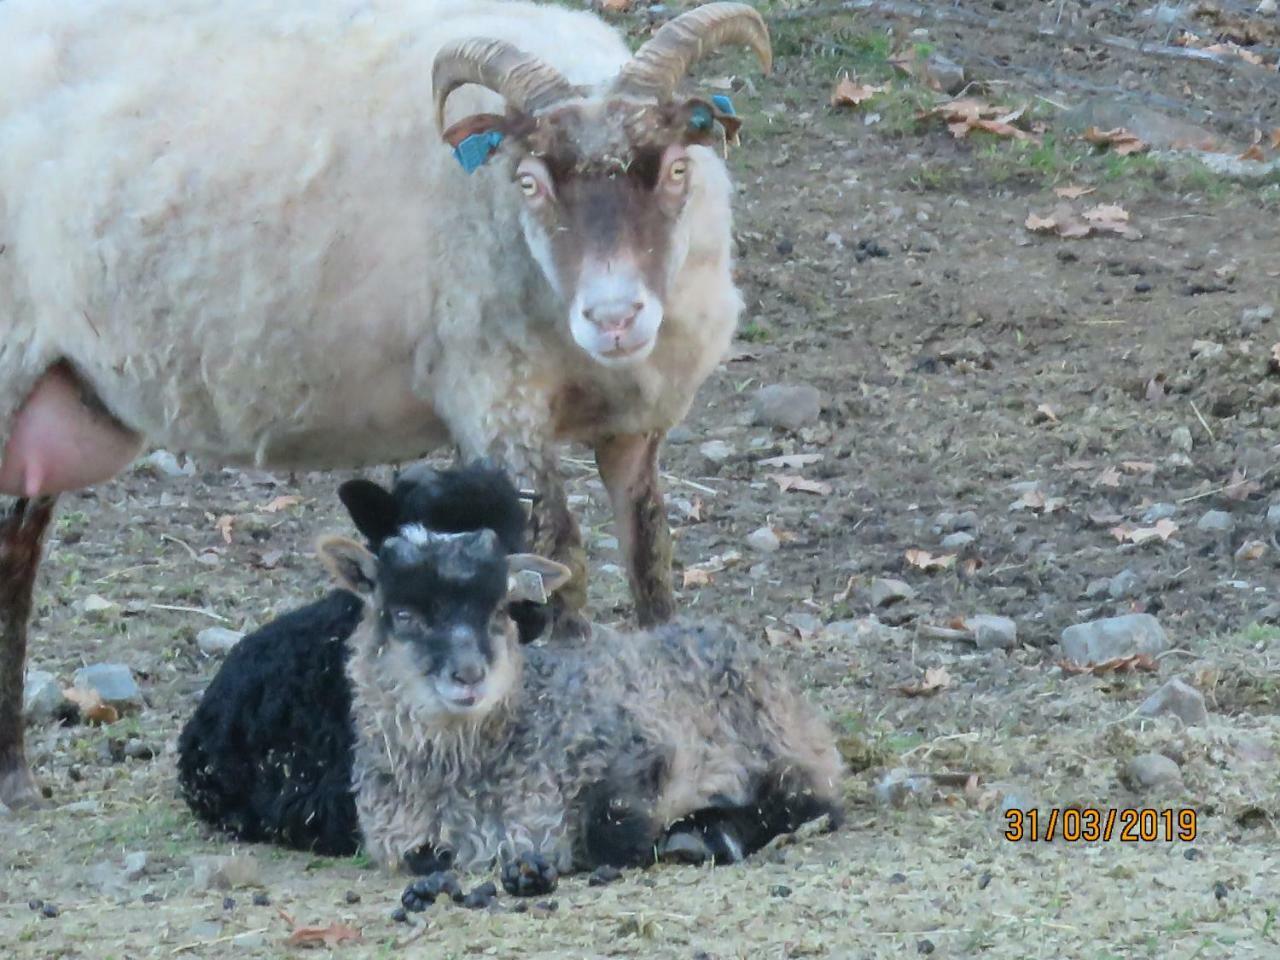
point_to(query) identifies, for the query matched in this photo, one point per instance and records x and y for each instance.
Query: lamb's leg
(22, 527)
(628, 466)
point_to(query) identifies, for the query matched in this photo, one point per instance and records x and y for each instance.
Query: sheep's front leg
(628, 465)
(23, 524)
(554, 533)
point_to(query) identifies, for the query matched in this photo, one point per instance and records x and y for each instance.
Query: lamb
(266, 755)
(678, 742)
(239, 231)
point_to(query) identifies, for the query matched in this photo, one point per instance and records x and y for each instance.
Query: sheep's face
(442, 599)
(605, 189)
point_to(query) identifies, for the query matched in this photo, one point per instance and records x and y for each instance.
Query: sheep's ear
(351, 564)
(531, 577)
(372, 508)
(475, 139)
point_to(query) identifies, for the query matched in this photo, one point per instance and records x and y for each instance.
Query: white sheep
(239, 231)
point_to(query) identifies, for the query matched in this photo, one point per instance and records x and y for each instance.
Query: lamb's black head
(477, 496)
(442, 598)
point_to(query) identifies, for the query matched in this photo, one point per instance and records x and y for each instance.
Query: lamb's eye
(402, 615)
(528, 185)
(679, 168)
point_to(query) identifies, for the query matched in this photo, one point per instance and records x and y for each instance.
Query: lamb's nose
(615, 316)
(468, 673)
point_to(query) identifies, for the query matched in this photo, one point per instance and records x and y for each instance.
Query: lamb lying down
(473, 751)
(266, 755)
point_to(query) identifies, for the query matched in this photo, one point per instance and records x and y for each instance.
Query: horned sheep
(241, 231)
(266, 755)
(474, 751)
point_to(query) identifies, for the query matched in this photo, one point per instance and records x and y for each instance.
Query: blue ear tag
(474, 150)
(724, 104)
(700, 118)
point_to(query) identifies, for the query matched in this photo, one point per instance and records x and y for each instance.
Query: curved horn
(527, 83)
(661, 63)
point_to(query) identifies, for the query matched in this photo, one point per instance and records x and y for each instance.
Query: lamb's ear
(372, 508)
(351, 564)
(531, 577)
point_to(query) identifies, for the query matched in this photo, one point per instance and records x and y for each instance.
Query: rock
(1250, 551)
(1273, 516)
(992, 632)
(113, 682)
(1099, 640)
(763, 540)
(679, 434)
(136, 749)
(1158, 129)
(1252, 319)
(885, 591)
(225, 873)
(790, 406)
(1159, 511)
(1207, 349)
(1180, 439)
(1226, 165)
(948, 75)
(716, 451)
(897, 787)
(1216, 521)
(217, 641)
(166, 463)
(1179, 699)
(135, 865)
(1123, 584)
(42, 699)
(957, 541)
(98, 608)
(1148, 771)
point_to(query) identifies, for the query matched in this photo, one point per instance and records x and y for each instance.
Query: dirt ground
(1037, 392)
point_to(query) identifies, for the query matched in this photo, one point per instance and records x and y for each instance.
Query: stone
(900, 786)
(1180, 439)
(957, 541)
(885, 591)
(225, 873)
(947, 74)
(1159, 511)
(98, 608)
(113, 682)
(1258, 315)
(1179, 699)
(166, 463)
(1096, 641)
(789, 406)
(1097, 588)
(1149, 771)
(137, 749)
(1273, 515)
(42, 699)
(716, 451)
(763, 540)
(217, 641)
(679, 434)
(1216, 521)
(135, 865)
(1123, 584)
(992, 632)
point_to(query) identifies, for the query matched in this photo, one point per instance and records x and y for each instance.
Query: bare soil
(965, 360)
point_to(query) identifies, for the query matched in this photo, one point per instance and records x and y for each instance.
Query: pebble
(603, 875)
(1123, 584)
(789, 406)
(1148, 771)
(225, 873)
(1180, 439)
(898, 786)
(1273, 515)
(135, 749)
(98, 608)
(992, 632)
(949, 522)
(1179, 699)
(957, 541)
(1159, 511)
(217, 641)
(1252, 318)
(113, 682)
(42, 698)
(763, 540)
(679, 434)
(885, 591)
(716, 451)
(1099, 640)
(947, 74)
(135, 865)
(1216, 521)
(1251, 550)
(166, 463)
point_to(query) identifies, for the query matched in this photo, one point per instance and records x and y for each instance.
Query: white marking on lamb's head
(606, 179)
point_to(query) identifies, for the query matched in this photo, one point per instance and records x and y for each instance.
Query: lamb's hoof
(529, 875)
(19, 790)
(684, 847)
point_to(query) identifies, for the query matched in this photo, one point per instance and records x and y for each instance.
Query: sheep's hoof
(529, 875)
(684, 847)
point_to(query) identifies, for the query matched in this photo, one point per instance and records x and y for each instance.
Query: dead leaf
(696, 577)
(1106, 211)
(330, 936)
(1130, 664)
(1109, 477)
(1254, 153)
(615, 6)
(1163, 530)
(224, 524)
(269, 560)
(1239, 488)
(1045, 412)
(786, 482)
(1039, 223)
(935, 679)
(792, 461)
(1119, 139)
(1275, 139)
(1073, 192)
(924, 560)
(281, 503)
(92, 709)
(1137, 466)
(1251, 550)
(850, 93)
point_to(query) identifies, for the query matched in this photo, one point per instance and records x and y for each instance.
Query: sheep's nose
(468, 673)
(614, 316)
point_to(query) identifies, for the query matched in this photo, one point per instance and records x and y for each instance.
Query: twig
(121, 573)
(207, 613)
(181, 543)
(209, 943)
(1200, 417)
(1225, 486)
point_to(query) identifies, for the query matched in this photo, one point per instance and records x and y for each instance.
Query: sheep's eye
(402, 615)
(679, 168)
(528, 185)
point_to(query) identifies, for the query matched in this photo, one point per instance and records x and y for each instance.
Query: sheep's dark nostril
(468, 674)
(614, 317)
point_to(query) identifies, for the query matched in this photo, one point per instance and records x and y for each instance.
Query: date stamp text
(1091, 824)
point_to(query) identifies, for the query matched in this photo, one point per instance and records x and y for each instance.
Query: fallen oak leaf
(91, 706)
(281, 503)
(1129, 664)
(696, 577)
(330, 936)
(787, 482)
(849, 93)
(1073, 192)
(935, 679)
(791, 461)
(1106, 211)
(1121, 140)
(224, 524)
(1253, 153)
(1163, 530)
(924, 560)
